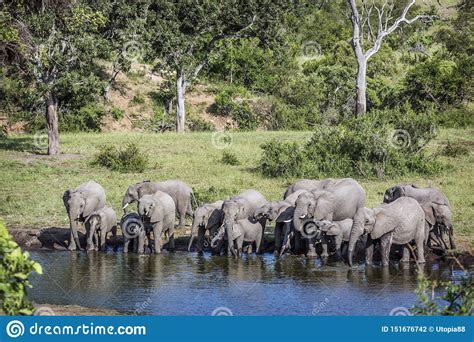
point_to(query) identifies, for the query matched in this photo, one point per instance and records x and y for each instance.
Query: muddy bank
(71, 310)
(57, 239)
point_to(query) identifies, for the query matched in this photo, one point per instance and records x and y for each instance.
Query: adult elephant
(282, 213)
(438, 214)
(207, 217)
(398, 222)
(341, 199)
(307, 184)
(239, 207)
(179, 191)
(80, 204)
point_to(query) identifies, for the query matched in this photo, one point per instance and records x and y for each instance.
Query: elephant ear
(384, 223)
(429, 213)
(236, 231)
(285, 215)
(66, 196)
(324, 209)
(156, 215)
(90, 206)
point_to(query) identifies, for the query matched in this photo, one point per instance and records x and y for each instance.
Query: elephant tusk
(125, 206)
(287, 221)
(302, 216)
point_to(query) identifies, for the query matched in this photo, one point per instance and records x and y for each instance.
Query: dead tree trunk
(180, 106)
(361, 88)
(52, 124)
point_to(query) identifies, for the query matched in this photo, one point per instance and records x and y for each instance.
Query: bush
(196, 124)
(137, 99)
(15, 268)
(128, 159)
(458, 299)
(367, 146)
(87, 118)
(116, 113)
(229, 158)
(239, 110)
(461, 117)
(454, 150)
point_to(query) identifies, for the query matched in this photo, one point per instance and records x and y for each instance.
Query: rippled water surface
(187, 284)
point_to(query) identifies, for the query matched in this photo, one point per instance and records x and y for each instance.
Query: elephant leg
(182, 209)
(72, 243)
(157, 231)
(278, 230)
(406, 254)
(201, 237)
(311, 249)
(420, 250)
(249, 249)
(126, 243)
(324, 245)
(297, 243)
(103, 238)
(338, 240)
(171, 245)
(385, 244)
(140, 242)
(257, 245)
(451, 238)
(369, 251)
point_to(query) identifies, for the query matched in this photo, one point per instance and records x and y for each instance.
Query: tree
(184, 32)
(49, 42)
(374, 21)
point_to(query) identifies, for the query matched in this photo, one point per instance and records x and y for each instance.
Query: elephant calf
(248, 230)
(207, 217)
(99, 224)
(133, 230)
(340, 231)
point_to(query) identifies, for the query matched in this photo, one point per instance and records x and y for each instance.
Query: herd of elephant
(330, 213)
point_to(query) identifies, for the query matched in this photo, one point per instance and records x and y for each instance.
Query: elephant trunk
(355, 235)
(73, 224)
(297, 218)
(451, 237)
(190, 242)
(287, 239)
(230, 240)
(220, 235)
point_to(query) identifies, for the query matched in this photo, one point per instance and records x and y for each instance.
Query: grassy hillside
(32, 184)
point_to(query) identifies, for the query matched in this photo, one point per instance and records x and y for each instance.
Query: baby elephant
(99, 224)
(133, 231)
(340, 231)
(248, 230)
(158, 211)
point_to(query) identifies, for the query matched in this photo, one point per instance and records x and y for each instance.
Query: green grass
(31, 185)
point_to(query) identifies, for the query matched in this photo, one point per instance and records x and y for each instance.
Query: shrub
(87, 118)
(367, 146)
(117, 113)
(15, 268)
(454, 150)
(458, 299)
(245, 117)
(461, 117)
(229, 158)
(240, 111)
(128, 159)
(137, 99)
(196, 124)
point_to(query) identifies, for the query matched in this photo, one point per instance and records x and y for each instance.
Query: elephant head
(304, 208)
(146, 209)
(130, 196)
(232, 210)
(202, 217)
(314, 204)
(391, 194)
(270, 210)
(440, 215)
(79, 208)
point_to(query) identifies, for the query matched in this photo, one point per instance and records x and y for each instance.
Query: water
(188, 284)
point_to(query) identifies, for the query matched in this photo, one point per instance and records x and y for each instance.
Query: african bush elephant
(208, 217)
(248, 230)
(179, 191)
(307, 184)
(133, 230)
(99, 224)
(236, 208)
(159, 211)
(398, 222)
(80, 204)
(341, 199)
(340, 231)
(437, 209)
(282, 213)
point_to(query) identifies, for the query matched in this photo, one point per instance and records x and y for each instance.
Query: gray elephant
(239, 207)
(99, 224)
(179, 191)
(282, 213)
(307, 184)
(248, 230)
(437, 209)
(159, 211)
(341, 199)
(80, 204)
(340, 231)
(399, 222)
(206, 218)
(133, 230)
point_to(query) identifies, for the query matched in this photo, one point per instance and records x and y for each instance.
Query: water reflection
(191, 284)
